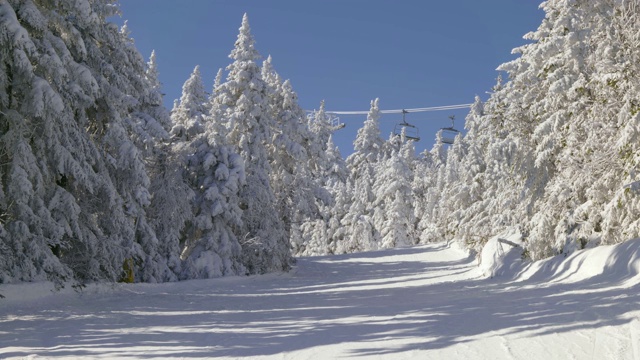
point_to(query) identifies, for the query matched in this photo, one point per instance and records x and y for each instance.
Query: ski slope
(427, 302)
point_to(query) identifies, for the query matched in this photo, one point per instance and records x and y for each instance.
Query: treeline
(100, 182)
(554, 151)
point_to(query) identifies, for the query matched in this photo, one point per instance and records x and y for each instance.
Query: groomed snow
(427, 302)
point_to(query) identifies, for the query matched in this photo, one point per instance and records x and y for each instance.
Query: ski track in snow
(427, 302)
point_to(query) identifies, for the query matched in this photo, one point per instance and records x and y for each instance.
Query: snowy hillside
(408, 303)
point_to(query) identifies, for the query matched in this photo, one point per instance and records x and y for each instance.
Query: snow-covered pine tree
(216, 83)
(360, 233)
(557, 138)
(243, 103)
(452, 187)
(614, 88)
(466, 194)
(493, 170)
(559, 117)
(210, 245)
(334, 215)
(154, 98)
(27, 250)
(421, 182)
(298, 194)
(542, 83)
(393, 212)
(368, 143)
(212, 174)
(75, 183)
(431, 169)
(170, 206)
(148, 124)
(188, 114)
(321, 235)
(320, 125)
(335, 171)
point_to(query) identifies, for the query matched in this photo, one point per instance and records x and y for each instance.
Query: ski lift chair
(449, 133)
(335, 122)
(410, 131)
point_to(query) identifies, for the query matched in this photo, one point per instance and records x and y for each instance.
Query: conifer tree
(554, 143)
(467, 193)
(360, 233)
(430, 225)
(336, 171)
(320, 125)
(153, 99)
(151, 122)
(188, 114)
(210, 246)
(170, 207)
(321, 235)
(243, 107)
(368, 143)
(298, 194)
(422, 180)
(393, 213)
(206, 176)
(76, 186)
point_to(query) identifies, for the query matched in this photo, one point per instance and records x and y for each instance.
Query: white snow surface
(426, 302)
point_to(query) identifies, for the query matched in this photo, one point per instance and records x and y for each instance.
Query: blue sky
(409, 53)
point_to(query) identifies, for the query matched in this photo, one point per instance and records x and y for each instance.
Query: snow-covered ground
(427, 302)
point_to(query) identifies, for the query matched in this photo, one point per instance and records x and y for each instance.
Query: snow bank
(502, 254)
(612, 263)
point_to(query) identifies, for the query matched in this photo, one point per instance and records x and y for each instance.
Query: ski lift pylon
(410, 131)
(449, 133)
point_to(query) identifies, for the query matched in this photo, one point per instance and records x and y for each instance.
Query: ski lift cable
(400, 111)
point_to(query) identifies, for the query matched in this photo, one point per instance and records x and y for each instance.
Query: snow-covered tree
(243, 107)
(393, 212)
(188, 114)
(336, 170)
(206, 176)
(320, 124)
(75, 182)
(553, 147)
(321, 235)
(171, 206)
(297, 192)
(368, 143)
(152, 101)
(210, 246)
(360, 233)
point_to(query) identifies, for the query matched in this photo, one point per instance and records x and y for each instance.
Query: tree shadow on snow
(325, 301)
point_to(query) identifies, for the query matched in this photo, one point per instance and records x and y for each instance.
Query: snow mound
(610, 263)
(502, 254)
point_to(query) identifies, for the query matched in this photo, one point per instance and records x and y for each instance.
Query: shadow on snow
(324, 301)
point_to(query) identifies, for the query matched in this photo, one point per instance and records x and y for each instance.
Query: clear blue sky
(408, 53)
